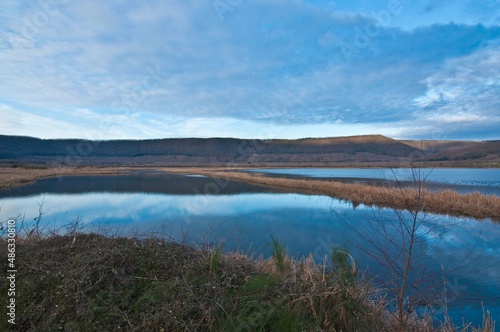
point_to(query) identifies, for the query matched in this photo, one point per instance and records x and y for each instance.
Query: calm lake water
(464, 180)
(241, 216)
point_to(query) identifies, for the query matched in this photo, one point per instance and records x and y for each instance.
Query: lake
(201, 210)
(464, 180)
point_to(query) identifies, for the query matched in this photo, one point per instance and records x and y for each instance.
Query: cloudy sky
(112, 69)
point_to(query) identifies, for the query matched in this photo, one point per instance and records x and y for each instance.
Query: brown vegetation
(16, 176)
(444, 202)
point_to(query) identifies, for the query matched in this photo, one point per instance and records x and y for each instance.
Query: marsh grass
(343, 266)
(25, 174)
(443, 202)
(279, 254)
(215, 259)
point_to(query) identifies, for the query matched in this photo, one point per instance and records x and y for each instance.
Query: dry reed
(443, 202)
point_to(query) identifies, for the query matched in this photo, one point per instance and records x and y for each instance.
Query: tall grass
(279, 254)
(343, 266)
(215, 258)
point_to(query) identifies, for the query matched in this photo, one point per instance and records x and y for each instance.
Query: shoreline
(18, 176)
(446, 202)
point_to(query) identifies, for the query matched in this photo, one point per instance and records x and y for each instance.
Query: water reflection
(464, 180)
(138, 182)
(306, 224)
(243, 218)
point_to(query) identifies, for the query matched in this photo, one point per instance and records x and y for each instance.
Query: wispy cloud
(157, 69)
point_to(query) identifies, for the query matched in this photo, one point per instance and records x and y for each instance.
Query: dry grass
(445, 202)
(17, 176)
(94, 283)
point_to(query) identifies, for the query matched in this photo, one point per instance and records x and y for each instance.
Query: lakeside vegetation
(14, 175)
(443, 202)
(89, 282)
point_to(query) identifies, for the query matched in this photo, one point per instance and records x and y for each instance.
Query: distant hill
(458, 150)
(370, 149)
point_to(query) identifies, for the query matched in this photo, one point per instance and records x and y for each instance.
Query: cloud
(268, 62)
(88, 124)
(16, 122)
(95, 207)
(460, 97)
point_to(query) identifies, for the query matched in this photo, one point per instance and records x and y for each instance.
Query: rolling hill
(369, 149)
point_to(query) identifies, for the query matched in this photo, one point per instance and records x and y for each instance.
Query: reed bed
(443, 202)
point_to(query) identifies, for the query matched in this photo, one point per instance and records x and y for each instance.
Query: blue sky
(250, 68)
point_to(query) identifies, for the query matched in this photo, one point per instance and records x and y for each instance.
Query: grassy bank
(88, 282)
(444, 202)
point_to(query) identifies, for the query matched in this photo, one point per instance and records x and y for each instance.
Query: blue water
(462, 179)
(243, 218)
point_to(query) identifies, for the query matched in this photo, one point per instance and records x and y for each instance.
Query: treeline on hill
(370, 148)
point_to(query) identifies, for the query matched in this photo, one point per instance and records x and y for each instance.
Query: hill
(458, 150)
(369, 149)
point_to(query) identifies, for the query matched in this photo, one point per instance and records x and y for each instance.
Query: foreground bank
(94, 283)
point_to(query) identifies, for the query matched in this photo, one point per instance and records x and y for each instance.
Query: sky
(262, 69)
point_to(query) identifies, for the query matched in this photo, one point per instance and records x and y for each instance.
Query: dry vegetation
(445, 202)
(88, 282)
(13, 176)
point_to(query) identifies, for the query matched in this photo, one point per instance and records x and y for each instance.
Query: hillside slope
(458, 150)
(227, 151)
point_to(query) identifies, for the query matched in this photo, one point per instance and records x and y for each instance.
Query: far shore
(18, 176)
(444, 202)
